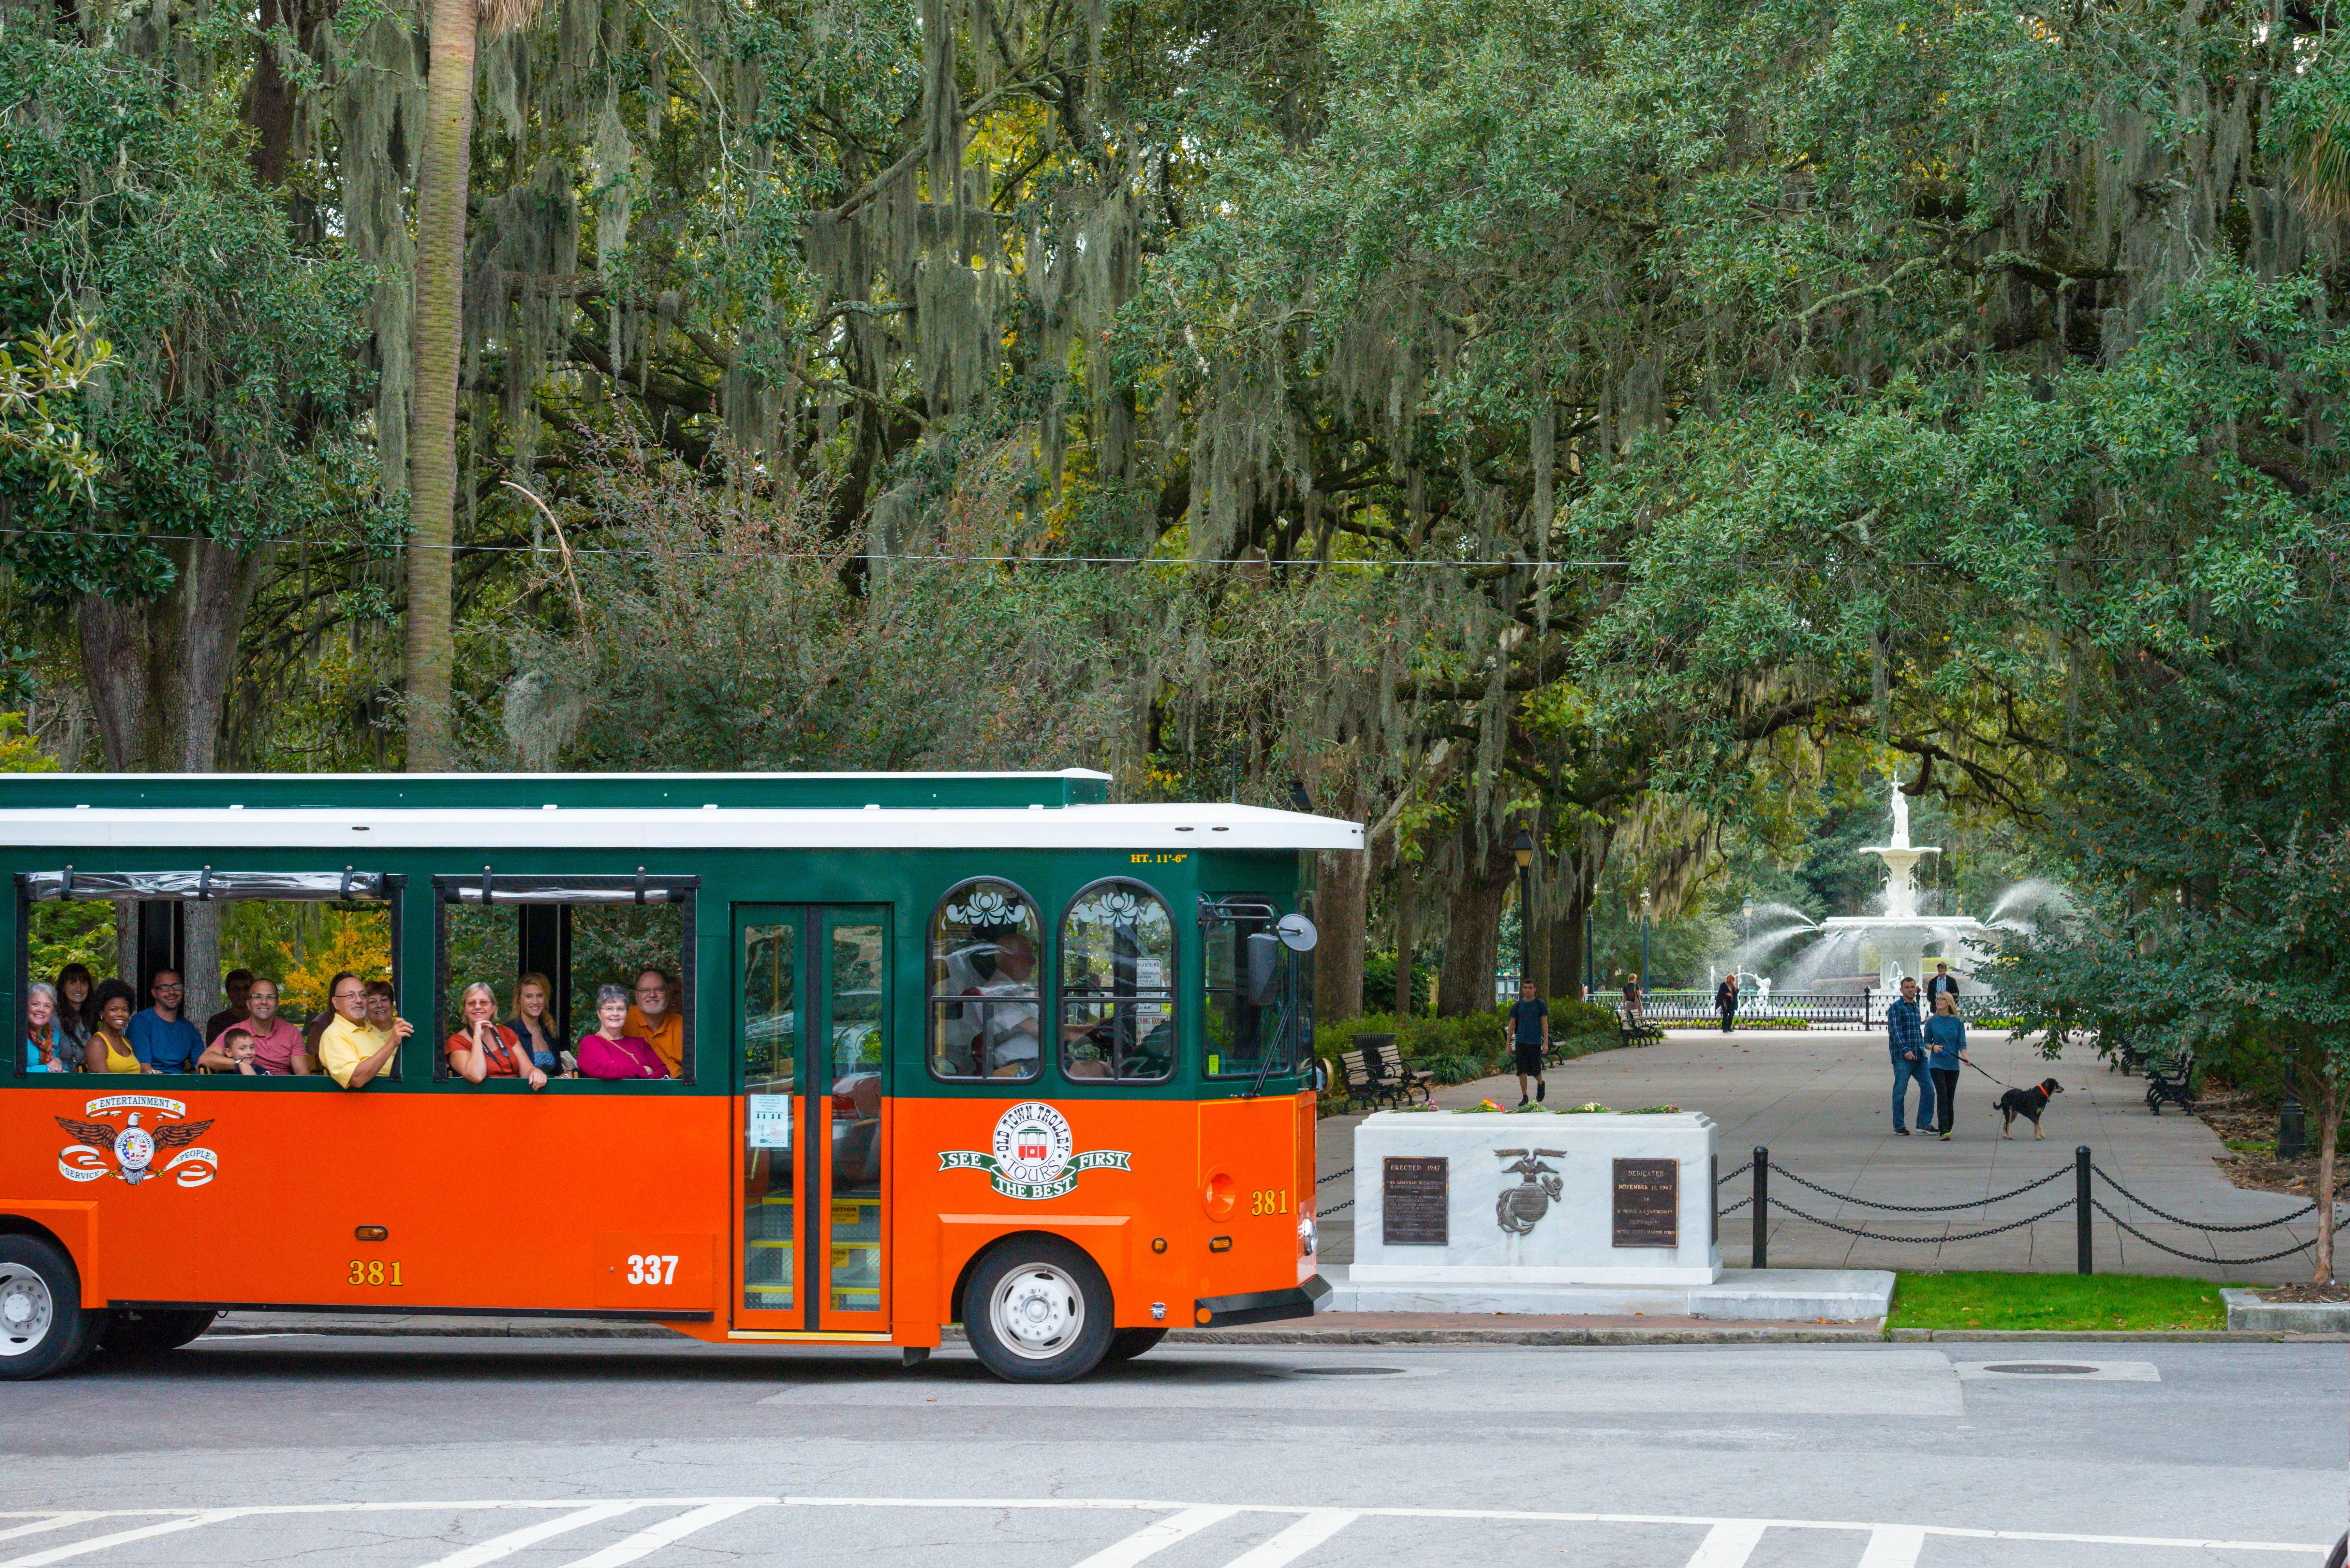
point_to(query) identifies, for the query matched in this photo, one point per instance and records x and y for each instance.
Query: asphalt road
(456, 1453)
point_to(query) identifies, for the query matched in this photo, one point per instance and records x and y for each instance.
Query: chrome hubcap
(26, 1310)
(1038, 1311)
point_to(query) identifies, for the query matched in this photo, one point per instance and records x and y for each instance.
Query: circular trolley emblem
(1035, 1155)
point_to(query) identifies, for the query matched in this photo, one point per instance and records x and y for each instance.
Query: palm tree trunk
(439, 333)
(2330, 1099)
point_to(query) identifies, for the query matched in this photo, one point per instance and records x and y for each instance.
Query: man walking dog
(1906, 1036)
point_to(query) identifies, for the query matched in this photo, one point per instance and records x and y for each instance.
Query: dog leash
(2002, 1085)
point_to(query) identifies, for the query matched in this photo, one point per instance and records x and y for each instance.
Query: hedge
(1476, 1045)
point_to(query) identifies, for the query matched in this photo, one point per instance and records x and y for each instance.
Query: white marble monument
(1481, 1201)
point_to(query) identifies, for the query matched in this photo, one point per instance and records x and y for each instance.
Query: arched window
(1117, 983)
(984, 1020)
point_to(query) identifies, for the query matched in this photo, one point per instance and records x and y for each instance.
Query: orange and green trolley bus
(980, 1049)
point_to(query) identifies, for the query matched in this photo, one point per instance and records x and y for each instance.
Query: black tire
(153, 1333)
(1128, 1343)
(1056, 1293)
(43, 1328)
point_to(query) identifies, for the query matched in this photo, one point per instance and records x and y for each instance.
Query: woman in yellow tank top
(109, 1050)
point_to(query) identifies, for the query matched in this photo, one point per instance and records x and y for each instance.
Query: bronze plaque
(1415, 1200)
(1647, 1202)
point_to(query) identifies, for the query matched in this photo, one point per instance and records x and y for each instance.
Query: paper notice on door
(771, 1121)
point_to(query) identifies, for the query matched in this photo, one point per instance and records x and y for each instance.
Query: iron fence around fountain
(1812, 1009)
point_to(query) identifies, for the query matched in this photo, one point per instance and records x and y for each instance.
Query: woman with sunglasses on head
(484, 1048)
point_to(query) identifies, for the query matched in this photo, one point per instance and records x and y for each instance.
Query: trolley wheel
(43, 1328)
(1128, 1343)
(153, 1333)
(1037, 1310)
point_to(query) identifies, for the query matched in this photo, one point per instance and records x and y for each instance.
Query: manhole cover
(1347, 1371)
(2042, 1369)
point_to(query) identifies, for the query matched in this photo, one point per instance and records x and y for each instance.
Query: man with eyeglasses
(353, 1050)
(162, 1040)
(651, 1021)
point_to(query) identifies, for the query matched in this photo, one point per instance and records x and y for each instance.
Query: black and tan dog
(2029, 1103)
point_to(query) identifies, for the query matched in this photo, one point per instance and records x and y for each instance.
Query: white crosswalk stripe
(1156, 1537)
(1727, 1544)
(652, 1538)
(515, 1541)
(1296, 1541)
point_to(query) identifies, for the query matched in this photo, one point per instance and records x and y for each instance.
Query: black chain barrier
(1733, 1176)
(1785, 1208)
(1742, 1203)
(2197, 1224)
(1326, 1180)
(1921, 1207)
(2213, 1260)
(1334, 1208)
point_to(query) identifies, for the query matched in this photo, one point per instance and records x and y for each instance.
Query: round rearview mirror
(1296, 933)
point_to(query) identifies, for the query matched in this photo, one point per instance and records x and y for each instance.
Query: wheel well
(18, 1225)
(962, 1276)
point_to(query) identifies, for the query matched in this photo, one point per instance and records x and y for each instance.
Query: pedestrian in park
(1944, 983)
(1946, 1032)
(1905, 1037)
(1725, 1001)
(1529, 1031)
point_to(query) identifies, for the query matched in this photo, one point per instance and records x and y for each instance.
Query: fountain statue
(1900, 859)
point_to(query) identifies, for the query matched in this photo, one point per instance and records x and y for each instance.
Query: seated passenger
(45, 1046)
(653, 1019)
(109, 1050)
(484, 1048)
(354, 1050)
(277, 1046)
(232, 1052)
(165, 1042)
(76, 1011)
(236, 985)
(381, 1004)
(611, 1052)
(1008, 1038)
(531, 1023)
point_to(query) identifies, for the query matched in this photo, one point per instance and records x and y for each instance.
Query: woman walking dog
(1946, 1036)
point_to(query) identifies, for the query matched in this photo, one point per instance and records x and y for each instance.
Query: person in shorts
(1530, 1033)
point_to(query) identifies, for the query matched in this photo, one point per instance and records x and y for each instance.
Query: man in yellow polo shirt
(353, 1053)
(653, 1018)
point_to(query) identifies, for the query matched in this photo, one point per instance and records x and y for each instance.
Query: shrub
(1457, 1050)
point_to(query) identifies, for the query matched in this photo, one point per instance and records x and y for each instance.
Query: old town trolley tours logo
(1035, 1155)
(128, 1150)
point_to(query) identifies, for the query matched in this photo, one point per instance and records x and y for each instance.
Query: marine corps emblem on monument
(1519, 1208)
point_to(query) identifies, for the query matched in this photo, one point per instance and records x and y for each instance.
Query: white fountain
(1899, 936)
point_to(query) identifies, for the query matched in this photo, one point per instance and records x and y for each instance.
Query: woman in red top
(485, 1048)
(608, 1052)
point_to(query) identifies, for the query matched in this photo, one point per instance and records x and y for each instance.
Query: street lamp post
(1647, 909)
(1523, 846)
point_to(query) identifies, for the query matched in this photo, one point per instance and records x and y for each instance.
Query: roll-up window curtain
(205, 884)
(486, 886)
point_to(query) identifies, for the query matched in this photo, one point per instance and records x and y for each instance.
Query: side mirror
(1263, 965)
(1296, 933)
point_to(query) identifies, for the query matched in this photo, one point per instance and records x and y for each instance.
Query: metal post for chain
(1762, 1259)
(2081, 1206)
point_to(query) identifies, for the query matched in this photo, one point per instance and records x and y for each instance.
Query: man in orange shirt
(653, 1018)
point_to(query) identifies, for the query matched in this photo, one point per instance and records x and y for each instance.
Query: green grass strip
(2074, 1302)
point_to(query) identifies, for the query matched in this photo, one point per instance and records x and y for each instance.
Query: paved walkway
(1820, 1101)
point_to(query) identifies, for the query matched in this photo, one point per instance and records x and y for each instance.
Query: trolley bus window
(984, 1016)
(580, 933)
(1117, 979)
(1258, 993)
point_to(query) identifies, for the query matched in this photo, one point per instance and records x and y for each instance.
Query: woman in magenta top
(608, 1052)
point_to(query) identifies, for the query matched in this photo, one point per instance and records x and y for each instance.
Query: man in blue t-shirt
(162, 1040)
(1530, 1030)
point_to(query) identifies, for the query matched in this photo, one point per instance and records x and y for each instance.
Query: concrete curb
(1860, 1334)
(2104, 1336)
(2247, 1311)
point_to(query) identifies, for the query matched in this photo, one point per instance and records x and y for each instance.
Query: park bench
(1358, 1076)
(1383, 1062)
(2173, 1081)
(2125, 1055)
(1631, 1029)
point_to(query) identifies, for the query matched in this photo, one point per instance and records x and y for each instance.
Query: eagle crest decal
(130, 1150)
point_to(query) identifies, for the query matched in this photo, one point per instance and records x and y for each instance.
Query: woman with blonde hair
(532, 1024)
(485, 1048)
(45, 1043)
